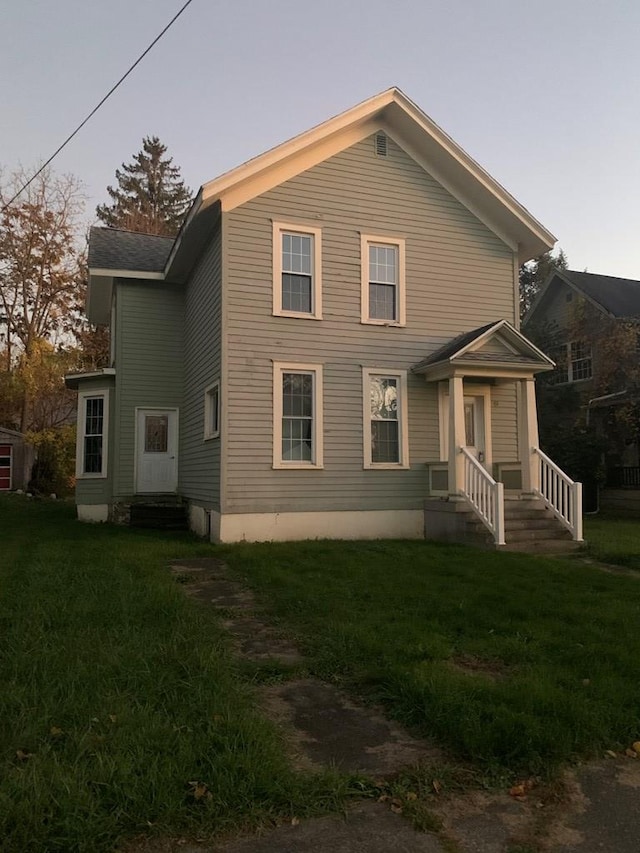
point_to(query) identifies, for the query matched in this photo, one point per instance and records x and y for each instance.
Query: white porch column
(529, 426)
(456, 435)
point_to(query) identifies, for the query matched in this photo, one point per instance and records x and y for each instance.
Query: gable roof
(126, 254)
(617, 297)
(472, 349)
(115, 249)
(395, 114)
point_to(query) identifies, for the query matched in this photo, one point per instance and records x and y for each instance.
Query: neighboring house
(330, 342)
(590, 325)
(16, 459)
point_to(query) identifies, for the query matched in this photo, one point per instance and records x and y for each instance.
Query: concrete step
(536, 523)
(537, 535)
(159, 516)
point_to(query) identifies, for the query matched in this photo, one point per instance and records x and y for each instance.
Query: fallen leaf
(23, 754)
(518, 790)
(636, 746)
(56, 731)
(199, 791)
(610, 754)
(383, 798)
(411, 795)
(294, 821)
(437, 787)
(112, 718)
(396, 809)
(630, 753)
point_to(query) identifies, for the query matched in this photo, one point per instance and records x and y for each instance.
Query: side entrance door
(156, 451)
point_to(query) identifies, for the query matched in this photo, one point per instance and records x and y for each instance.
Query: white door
(474, 431)
(156, 451)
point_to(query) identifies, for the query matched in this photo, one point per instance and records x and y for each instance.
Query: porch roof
(495, 349)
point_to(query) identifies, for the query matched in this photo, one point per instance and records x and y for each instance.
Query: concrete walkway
(596, 811)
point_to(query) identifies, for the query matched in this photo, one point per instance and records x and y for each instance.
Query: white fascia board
(112, 273)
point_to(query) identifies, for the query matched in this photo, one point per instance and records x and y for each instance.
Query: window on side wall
(385, 427)
(297, 416)
(383, 280)
(212, 411)
(297, 271)
(91, 456)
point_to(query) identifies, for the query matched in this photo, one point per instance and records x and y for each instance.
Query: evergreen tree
(150, 196)
(533, 275)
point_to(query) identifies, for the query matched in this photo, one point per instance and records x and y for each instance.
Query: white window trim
(568, 364)
(403, 418)
(365, 241)
(208, 411)
(82, 422)
(280, 228)
(280, 367)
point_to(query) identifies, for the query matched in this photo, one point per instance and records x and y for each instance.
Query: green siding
(200, 460)
(149, 363)
(459, 276)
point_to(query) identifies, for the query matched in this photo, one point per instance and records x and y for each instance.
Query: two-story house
(329, 348)
(590, 325)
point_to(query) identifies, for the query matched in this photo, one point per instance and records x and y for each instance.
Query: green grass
(613, 540)
(121, 692)
(117, 691)
(392, 619)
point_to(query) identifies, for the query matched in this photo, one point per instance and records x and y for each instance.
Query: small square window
(297, 271)
(383, 280)
(212, 411)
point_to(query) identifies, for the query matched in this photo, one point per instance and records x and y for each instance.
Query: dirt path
(594, 809)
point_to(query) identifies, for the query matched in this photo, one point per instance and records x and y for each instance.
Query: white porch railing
(485, 495)
(560, 494)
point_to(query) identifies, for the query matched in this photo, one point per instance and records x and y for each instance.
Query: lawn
(122, 711)
(116, 693)
(613, 540)
(513, 662)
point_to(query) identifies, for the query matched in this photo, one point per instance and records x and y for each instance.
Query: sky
(544, 94)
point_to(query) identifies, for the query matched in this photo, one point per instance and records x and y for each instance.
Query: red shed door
(5, 467)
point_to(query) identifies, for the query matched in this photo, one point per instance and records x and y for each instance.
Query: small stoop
(529, 528)
(161, 515)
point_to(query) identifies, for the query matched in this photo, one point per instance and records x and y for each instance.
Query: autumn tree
(534, 273)
(150, 195)
(40, 275)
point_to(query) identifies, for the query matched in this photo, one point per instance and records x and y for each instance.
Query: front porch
(527, 503)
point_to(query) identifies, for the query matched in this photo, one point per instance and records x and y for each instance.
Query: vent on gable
(381, 145)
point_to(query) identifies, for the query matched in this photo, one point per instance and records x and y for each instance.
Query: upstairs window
(383, 280)
(297, 279)
(573, 363)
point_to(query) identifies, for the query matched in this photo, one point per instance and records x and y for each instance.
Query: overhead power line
(97, 107)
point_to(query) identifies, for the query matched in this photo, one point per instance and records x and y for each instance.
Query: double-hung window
(386, 442)
(91, 457)
(573, 363)
(297, 271)
(297, 415)
(383, 280)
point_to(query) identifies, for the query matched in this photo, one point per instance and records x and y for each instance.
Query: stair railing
(485, 495)
(560, 494)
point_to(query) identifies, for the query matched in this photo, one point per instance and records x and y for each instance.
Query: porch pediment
(497, 350)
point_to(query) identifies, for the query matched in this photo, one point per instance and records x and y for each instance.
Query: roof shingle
(110, 248)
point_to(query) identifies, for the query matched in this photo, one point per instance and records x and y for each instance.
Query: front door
(474, 427)
(156, 450)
